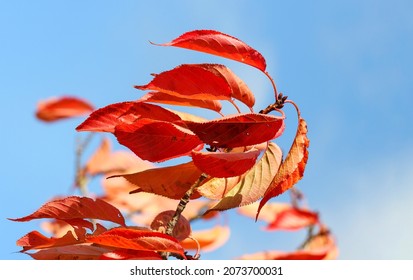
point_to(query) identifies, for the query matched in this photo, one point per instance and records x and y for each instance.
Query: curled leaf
(64, 107)
(156, 140)
(181, 230)
(292, 168)
(171, 181)
(237, 131)
(223, 165)
(76, 208)
(107, 118)
(217, 43)
(245, 189)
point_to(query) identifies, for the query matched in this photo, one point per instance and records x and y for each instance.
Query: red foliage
(228, 174)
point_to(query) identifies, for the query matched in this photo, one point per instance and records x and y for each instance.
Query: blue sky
(347, 64)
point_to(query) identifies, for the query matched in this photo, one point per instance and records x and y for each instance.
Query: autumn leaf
(156, 140)
(217, 43)
(172, 181)
(36, 240)
(190, 81)
(181, 230)
(74, 207)
(71, 252)
(107, 118)
(208, 239)
(246, 189)
(165, 98)
(223, 165)
(292, 218)
(105, 161)
(58, 108)
(136, 239)
(292, 168)
(237, 131)
(277, 255)
(239, 89)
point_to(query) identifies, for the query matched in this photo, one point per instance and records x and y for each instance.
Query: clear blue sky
(347, 64)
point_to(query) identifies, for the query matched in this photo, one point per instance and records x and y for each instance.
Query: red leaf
(156, 140)
(107, 118)
(240, 130)
(208, 239)
(55, 109)
(292, 218)
(142, 240)
(276, 255)
(36, 240)
(217, 43)
(239, 90)
(223, 165)
(70, 252)
(172, 181)
(245, 189)
(292, 169)
(164, 98)
(74, 207)
(181, 230)
(190, 81)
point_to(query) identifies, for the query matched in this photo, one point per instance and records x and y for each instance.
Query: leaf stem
(80, 178)
(273, 85)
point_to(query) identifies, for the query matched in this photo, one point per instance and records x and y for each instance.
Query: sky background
(347, 64)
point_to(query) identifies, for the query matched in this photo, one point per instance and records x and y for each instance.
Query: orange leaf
(181, 230)
(36, 240)
(217, 43)
(70, 252)
(104, 161)
(190, 81)
(156, 140)
(223, 165)
(239, 90)
(74, 207)
(164, 98)
(107, 118)
(209, 239)
(142, 240)
(245, 189)
(64, 107)
(292, 169)
(240, 130)
(292, 218)
(172, 181)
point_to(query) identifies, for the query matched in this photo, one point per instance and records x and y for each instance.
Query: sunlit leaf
(64, 107)
(208, 239)
(217, 43)
(156, 140)
(223, 165)
(190, 81)
(142, 240)
(107, 118)
(70, 252)
(292, 168)
(74, 207)
(239, 90)
(164, 98)
(246, 189)
(36, 240)
(172, 181)
(239, 130)
(292, 218)
(181, 230)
